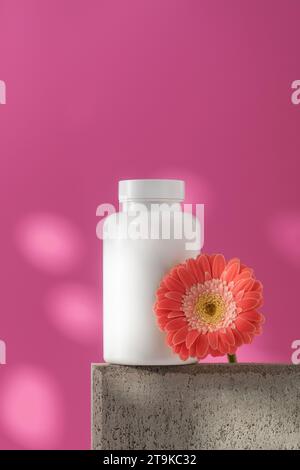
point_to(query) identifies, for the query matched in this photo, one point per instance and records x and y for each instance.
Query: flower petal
(216, 353)
(248, 304)
(193, 352)
(173, 295)
(249, 284)
(173, 272)
(239, 296)
(224, 346)
(161, 291)
(238, 337)
(213, 339)
(218, 266)
(160, 297)
(175, 324)
(211, 259)
(162, 321)
(232, 350)
(202, 346)
(244, 326)
(247, 337)
(204, 264)
(257, 286)
(191, 338)
(183, 353)
(240, 286)
(174, 285)
(175, 314)
(251, 315)
(230, 273)
(246, 269)
(232, 261)
(191, 270)
(258, 330)
(180, 335)
(242, 275)
(185, 277)
(253, 295)
(169, 338)
(161, 312)
(169, 304)
(223, 337)
(229, 336)
(195, 268)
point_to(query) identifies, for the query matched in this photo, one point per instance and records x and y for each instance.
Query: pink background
(103, 90)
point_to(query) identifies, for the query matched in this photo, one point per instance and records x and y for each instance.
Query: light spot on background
(49, 242)
(74, 309)
(198, 189)
(31, 409)
(284, 233)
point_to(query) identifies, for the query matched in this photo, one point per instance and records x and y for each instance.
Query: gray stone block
(202, 406)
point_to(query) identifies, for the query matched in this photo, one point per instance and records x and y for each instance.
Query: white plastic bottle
(135, 259)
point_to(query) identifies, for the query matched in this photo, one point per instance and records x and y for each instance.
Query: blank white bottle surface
(135, 259)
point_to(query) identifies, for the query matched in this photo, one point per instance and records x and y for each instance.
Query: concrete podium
(201, 406)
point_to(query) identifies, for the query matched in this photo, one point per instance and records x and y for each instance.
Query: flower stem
(232, 358)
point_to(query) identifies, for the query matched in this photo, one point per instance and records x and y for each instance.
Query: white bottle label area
(133, 270)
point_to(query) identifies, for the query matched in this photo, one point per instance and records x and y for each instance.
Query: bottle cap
(151, 190)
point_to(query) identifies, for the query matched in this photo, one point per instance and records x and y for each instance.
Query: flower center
(210, 307)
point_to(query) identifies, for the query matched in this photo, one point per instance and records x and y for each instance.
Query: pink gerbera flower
(207, 306)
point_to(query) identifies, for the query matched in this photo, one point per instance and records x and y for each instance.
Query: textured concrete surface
(209, 406)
